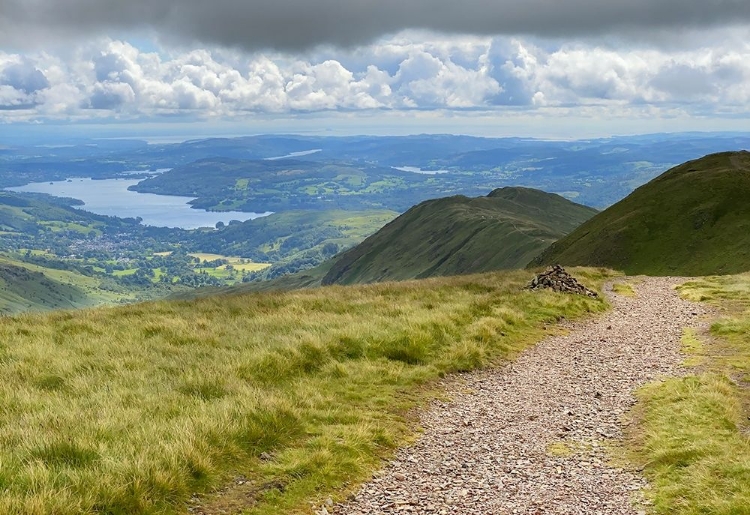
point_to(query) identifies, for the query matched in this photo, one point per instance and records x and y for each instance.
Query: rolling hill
(692, 220)
(28, 289)
(295, 184)
(460, 235)
(293, 240)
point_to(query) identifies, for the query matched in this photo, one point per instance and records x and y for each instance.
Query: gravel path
(532, 437)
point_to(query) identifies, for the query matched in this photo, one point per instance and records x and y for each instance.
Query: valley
(371, 343)
(127, 261)
(201, 197)
(374, 257)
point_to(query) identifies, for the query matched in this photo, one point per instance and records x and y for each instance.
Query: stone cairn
(557, 279)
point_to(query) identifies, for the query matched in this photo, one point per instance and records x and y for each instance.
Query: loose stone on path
(532, 437)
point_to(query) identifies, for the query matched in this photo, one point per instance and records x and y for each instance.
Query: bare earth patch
(534, 437)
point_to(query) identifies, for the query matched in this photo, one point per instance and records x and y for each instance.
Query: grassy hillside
(134, 409)
(22, 289)
(32, 214)
(692, 220)
(27, 287)
(294, 240)
(691, 433)
(279, 235)
(459, 235)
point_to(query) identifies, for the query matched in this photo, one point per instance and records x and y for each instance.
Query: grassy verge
(133, 409)
(623, 289)
(692, 436)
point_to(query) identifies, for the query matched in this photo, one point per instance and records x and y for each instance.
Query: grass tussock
(623, 289)
(133, 409)
(692, 432)
(692, 347)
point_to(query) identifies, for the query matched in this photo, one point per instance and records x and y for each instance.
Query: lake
(415, 169)
(112, 197)
(295, 154)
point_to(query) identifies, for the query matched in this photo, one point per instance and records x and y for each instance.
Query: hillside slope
(692, 220)
(136, 409)
(460, 235)
(293, 240)
(25, 289)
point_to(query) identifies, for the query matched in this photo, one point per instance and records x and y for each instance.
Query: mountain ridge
(460, 235)
(691, 220)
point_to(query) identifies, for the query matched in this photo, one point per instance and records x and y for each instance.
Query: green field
(236, 262)
(123, 273)
(691, 435)
(134, 409)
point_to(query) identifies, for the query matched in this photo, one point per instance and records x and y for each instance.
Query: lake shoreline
(113, 197)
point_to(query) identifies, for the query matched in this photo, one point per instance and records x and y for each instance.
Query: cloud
(685, 80)
(122, 79)
(408, 72)
(299, 24)
(110, 95)
(23, 76)
(711, 78)
(20, 84)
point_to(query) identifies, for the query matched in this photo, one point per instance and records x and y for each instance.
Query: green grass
(692, 347)
(694, 455)
(133, 409)
(248, 267)
(57, 226)
(214, 272)
(692, 432)
(693, 220)
(206, 256)
(623, 289)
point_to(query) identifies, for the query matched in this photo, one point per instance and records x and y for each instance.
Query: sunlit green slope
(692, 220)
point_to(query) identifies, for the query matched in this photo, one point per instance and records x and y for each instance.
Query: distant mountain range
(365, 172)
(692, 220)
(361, 172)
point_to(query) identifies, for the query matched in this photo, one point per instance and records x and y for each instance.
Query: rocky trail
(535, 437)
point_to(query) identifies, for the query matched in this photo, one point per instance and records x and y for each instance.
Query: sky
(546, 68)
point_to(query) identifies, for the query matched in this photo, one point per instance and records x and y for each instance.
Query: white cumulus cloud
(409, 71)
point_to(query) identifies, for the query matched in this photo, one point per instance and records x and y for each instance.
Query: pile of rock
(557, 279)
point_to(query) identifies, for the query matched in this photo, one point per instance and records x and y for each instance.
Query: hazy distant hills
(267, 173)
(460, 235)
(293, 184)
(692, 220)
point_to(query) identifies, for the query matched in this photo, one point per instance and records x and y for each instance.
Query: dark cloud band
(298, 24)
